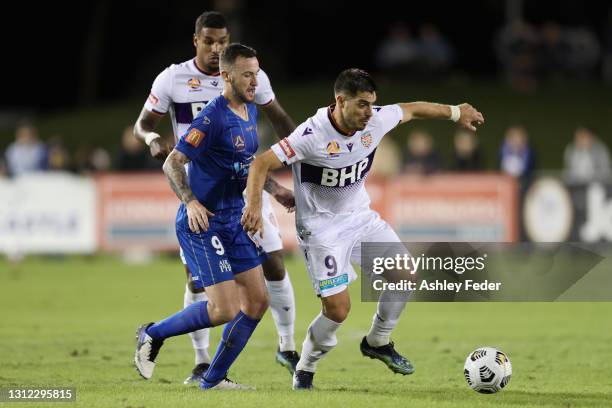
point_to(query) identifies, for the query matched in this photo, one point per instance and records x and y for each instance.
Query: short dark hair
(210, 19)
(354, 80)
(235, 50)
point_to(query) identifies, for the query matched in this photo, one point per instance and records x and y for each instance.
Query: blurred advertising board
(47, 213)
(556, 211)
(136, 211)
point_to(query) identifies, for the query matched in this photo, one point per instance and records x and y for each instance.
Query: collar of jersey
(204, 72)
(330, 116)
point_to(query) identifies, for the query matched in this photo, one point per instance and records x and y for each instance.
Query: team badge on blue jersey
(239, 143)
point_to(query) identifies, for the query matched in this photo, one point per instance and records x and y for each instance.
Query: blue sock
(235, 337)
(193, 317)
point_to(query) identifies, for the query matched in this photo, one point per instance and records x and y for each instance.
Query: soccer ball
(487, 370)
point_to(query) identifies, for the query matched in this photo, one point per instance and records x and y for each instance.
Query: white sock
(282, 306)
(385, 319)
(200, 339)
(320, 339)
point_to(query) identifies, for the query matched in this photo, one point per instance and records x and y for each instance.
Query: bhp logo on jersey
(341, 177)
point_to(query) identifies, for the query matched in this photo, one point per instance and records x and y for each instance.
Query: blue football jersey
(221, 146)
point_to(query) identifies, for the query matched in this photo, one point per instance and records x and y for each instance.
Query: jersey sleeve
(299, 145)
(264, 93)
(160, 97)
(198, 137)
(389, 116)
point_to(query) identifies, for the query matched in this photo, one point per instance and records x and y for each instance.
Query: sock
(385, 319)
(200, 339)
(282, 306)
(192, 318)
(234, 338)
(320, 339)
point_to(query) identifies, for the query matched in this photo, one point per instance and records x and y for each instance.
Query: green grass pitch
(71, 322)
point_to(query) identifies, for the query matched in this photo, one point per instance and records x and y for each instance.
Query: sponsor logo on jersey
(287, 149)
(341, 177)
(239, 143)
(153, 99)
(248, 129)
(366, 139)
(194, 84)
(214, 82)
(377, 108)
(349, 146)
(307, 131)
(206, 121)
(225, 266)
(330, 283)
(333, 149)
(195, 137)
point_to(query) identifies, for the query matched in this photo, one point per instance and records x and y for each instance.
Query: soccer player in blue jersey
(182, 90)
(218, 148)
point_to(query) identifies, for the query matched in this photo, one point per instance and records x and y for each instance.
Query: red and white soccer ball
(487, 370)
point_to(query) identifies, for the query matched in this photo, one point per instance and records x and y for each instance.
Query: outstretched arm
(144, 130)
(174, 168)
(464, 114)
(251, 218)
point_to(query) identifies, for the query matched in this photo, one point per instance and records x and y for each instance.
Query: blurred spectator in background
(27, 153)
(435, 54)
(516, 46)
(586, 158)
(421, 156)
(388, 159)
(554, 50)
(584, 52)
(467, 155)
(132, 155)
(516, 156)
(90, 160)
(398, 52)
(58, 158)
(607, 57)
(3, 170)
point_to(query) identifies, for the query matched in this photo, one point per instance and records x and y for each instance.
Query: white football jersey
(183, 90)
(330, 167)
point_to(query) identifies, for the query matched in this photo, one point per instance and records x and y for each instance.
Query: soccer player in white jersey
(183, 90)
(331, 154)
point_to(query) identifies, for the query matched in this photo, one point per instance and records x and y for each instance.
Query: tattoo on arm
(271, 186)
(174, 168)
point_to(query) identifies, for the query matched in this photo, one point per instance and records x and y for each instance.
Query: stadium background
(80, 76)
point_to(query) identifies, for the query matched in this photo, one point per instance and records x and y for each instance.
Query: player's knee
(338, 312)
(224, 312)
(257, 306)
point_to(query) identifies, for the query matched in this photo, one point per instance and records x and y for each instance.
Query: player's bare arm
(281, 194)
(281, 121)
(174, 168)
(468, 115)
(144, 129)
(258, 172)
